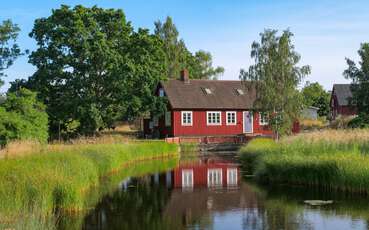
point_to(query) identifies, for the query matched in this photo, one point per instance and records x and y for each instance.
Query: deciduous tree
(276, 76)
(9, 49)
(359, 74)
(200, 65)
(315, 95)
(93, 68)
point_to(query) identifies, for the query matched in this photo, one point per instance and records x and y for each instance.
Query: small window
(161, 92)
(214, 118)
(168, 119)
(207, 90)
(187, 178)
(231, 118)
(214, 177)
(186, 118)
(240, 92)
(232, 176)
(263, 118)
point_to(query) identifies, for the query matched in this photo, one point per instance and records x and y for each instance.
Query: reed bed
(331, 159)
(60, 177)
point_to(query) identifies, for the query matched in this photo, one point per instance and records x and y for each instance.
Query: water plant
(331, 159)
(61, 178)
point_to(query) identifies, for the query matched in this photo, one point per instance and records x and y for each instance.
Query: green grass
(189, 148)
(341, 164)
(61, 179)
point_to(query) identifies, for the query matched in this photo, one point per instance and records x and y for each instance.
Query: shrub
(22, 117)
(361, 121)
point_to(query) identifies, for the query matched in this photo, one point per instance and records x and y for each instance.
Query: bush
(362, 121)
(22, 117)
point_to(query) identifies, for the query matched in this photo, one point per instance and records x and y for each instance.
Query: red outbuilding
(340, 101)
(207, 108)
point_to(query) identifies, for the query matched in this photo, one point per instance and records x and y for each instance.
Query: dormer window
(240, 92)
(207, 91)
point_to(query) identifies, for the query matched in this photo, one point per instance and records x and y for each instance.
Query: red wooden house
(340, 101)
(207, 108)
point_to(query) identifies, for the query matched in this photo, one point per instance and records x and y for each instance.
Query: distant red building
(207, 108)
(340, 101)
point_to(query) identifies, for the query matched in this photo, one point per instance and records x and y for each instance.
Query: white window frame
(218, 181)
(213, 112)
(168, 118)
(261, 122)
(187, 176)
(235, 117)
(186, 112)
(232, 176)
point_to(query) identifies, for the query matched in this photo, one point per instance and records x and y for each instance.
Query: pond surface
(210, 193)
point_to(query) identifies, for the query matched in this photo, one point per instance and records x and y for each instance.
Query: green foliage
(93, 68)
(359, 122)
(60, 178)
(179, 57)
(276, 77)
(175, 49)
(314, 95)
(22, 117)
(202, 67)
(330, 164)
(360, 81)
(9, 49)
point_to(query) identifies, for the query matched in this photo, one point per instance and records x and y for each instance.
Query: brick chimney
(185, 76)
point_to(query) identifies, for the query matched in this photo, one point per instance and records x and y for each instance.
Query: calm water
(210, 193)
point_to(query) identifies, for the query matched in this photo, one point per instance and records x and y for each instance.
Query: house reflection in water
(204, 187)
(208, 172)
(195, 195)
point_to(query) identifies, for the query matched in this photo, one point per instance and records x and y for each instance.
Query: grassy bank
(107, 187)
(60, 176)
(331, 159)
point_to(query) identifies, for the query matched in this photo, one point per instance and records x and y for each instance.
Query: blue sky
(325, 31)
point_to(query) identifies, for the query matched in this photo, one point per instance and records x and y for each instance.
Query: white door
(247, 122)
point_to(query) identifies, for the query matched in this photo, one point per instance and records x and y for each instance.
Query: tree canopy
(93, 68)
(276, 76)
(9, 49)
(359, 74)
(315, 95)
(178, 57)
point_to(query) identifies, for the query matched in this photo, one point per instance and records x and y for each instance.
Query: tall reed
(332, 159)
(61, 178)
